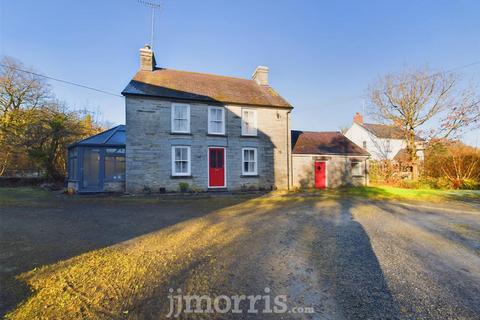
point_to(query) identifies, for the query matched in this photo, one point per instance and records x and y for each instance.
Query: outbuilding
(327, 159)
(97, 163)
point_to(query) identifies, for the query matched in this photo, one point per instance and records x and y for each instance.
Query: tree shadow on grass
(35, 236)
(106, 281)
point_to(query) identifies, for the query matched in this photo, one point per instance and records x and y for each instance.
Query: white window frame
(189, 162)
(244, 131)
(360, 168)
(223, 120)
(255, 156)
(174, 105)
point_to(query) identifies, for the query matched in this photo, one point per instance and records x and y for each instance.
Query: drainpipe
(289, 150)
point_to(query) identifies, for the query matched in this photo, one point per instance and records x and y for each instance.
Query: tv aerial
(153, 6)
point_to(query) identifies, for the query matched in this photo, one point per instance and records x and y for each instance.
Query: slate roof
(324, 143)
(168, 83)
(111, 137)
(384, 131)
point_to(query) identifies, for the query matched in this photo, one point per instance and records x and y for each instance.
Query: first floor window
(216, 120)
(357, 168)
(249, 159)
(180, 161)
(180, 118)
(249, 122)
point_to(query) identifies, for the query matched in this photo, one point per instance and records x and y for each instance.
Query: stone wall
(108, 186)
(149, 144)
(338, 171)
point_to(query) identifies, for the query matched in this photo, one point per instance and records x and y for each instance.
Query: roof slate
(168, 83)
(324, 143)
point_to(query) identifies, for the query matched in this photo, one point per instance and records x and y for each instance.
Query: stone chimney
(261, 75)
(147, 59)
(358, 118)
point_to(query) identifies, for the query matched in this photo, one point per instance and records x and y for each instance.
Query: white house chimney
(261, 75)
(147, 59)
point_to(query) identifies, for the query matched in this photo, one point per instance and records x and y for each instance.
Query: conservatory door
(91, 170)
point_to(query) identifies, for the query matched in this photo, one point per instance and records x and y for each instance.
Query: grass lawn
(393, 193)
(24, 195)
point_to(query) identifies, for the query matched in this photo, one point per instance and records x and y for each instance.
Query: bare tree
(410, 99)
(20, 92)
(20, 89)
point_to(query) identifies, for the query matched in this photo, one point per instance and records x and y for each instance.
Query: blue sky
(322, 55)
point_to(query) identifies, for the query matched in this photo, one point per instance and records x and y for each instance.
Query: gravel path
(346, 258)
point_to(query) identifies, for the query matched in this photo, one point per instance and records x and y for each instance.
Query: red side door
(320, 175)
(216, 167)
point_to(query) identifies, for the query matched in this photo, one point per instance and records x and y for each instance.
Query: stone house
(383, 142)
(327, 159)
(208, 131)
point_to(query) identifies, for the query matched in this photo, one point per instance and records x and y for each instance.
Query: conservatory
(97, 163)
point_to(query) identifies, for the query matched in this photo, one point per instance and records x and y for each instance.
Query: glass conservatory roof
(111, 137)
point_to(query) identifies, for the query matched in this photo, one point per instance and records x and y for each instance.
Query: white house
(383, 142)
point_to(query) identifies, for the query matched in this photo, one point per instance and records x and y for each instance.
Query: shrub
(183, 186)
(470, 184)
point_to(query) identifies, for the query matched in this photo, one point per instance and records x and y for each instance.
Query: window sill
(216, 135)
(357, 175)
(181, 133)
(249, 176)
(248, 136)
(181, 177)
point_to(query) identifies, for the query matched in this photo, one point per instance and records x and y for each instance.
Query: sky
(322, 55)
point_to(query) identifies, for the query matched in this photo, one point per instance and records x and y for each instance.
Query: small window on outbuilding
(357, 168)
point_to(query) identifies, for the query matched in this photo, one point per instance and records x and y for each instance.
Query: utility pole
(153, 6)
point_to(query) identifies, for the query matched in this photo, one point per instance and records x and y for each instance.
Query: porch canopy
(97, 163)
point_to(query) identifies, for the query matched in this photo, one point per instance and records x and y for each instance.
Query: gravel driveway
(347, 258)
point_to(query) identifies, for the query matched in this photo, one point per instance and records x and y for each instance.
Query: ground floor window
(249, 159)
(357, 168)
(180, 161)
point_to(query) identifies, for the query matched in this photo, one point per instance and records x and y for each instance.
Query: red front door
(216, 167)
(320, 175)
